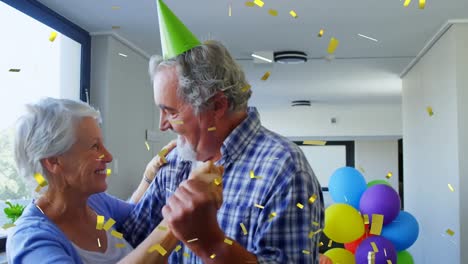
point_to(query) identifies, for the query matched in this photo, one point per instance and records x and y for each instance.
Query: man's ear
(221, 105)
(51, 164)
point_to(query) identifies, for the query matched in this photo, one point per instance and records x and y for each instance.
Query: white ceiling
(363, 69)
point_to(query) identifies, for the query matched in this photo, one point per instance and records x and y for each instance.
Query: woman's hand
(159, 160)
(210, 174)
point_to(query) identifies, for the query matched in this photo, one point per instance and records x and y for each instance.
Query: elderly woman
(61, 140)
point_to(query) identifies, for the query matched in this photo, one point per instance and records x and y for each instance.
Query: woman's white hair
(47, 129)
(202, 72)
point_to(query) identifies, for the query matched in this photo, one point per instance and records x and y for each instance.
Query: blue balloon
(346, 185)
(402, 232)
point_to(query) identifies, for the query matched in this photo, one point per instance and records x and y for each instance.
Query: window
(33, 67)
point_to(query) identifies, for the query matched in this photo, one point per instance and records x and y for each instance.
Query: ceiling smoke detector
(290, 57)
(301, 103)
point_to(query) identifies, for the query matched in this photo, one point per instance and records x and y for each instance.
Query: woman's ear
(51, 164)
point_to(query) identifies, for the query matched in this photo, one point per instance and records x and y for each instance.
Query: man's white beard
(187, 152)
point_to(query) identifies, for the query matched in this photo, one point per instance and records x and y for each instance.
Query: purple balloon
(386, 251)
(380, 199)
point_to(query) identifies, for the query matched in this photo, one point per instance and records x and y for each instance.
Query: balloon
(346, 185)
(340, 255)
(386, 251)
(375, 182)
(380, 199)
(402, 232)
(352, 246)
(343, 223)
(404, 257)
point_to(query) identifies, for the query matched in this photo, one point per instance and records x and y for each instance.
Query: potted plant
(13, 212)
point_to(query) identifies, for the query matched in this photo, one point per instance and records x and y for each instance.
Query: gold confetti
(252, 175)
(102, 156)
(99, 222)
(422, 4)
(389, 175)
(120, 245)
(162, 154)
(186, 254)
(228, 241)
(115, 27)
(320, 243)
(9, 225)
(374, 247)
(38, 188)
(109, 224)
(314, 142)
(40, 179)
(451, 188)
(218, 181)
(313, 198)
(117, 234)
(330, 242)
(371, 257)
(265, 76)
(52, 36)
(162, 228)
(229, 10)
(312, 233)
(212, 256)
(306, 252)
(385, 252)
(389, 261)
(293, 14)
(301, 206)
(429, 111)
(98, 242)
(244, 230)
(250, 4)
(332, 45)
(259, 206)
(192, 240)
(362, 169)
(377, 223)
(108, 172)
(259, 3)
(14, 70)
(315, 223)
(406, 3)
(273, 12)
(246, 88)
(158, 248)
(366, 219)
(450, 232)
(320, 34)
(115, 7)
(271, 216)
(176, 249)
(147, 145)
(177, 122)
(212, 129)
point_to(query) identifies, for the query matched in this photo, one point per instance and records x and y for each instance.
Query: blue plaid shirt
(278, 233)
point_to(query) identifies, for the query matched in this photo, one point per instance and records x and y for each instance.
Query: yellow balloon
(343, 223)
(341, 256)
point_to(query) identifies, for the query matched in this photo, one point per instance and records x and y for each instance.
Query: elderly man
(272, 207)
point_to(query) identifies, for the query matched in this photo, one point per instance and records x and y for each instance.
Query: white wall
(432, 148)
(377, 158)
(120, 88)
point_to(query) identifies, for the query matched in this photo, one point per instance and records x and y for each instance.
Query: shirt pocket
(238, 221)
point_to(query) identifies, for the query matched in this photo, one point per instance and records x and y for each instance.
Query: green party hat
(175, 36)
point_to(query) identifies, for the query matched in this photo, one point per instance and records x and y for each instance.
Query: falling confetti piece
(377, 223)
(362, 169)
(315, 223)
(306, 252)
(38, 189)
(177, 122)
(429, 111)
(374, 247)
(244, 230)
(259, 206)
(422, 4)
(115, 27)
(320, 34)
(192, 240)
(332, 45)
(218, 181)
(120, 245)
(293, 14)
(252, 175)
(273, 12)
(313, 198)
(265, 76)
(228, 241)
(389, 261)
(385, 252)
(162, 154)
(158, 248)
(162, 228)
(246, 88)
(406, 3)
(259, 3)
(320, 243)
(366, 219)
(367, 37)
(186, 254)
(314, 142)
(389, 175)
(98, 242)
(301, 206)
(102, 156)
(371, 257)
(40, 179)
(250, 4)
(115, 7)
(99, 222)
(212, 256)
(147, 145)
(108, 172)
(212, 129)
(176, 249)
(229, 10)
(117, 234)
(450, 232)
(52, 36)
(330, 243)
(14, 70)
(451, 188)
(9, 225)
(108, 224)
(271, 216)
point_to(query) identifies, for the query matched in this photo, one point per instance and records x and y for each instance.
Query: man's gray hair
(47, 129)
(202, 72)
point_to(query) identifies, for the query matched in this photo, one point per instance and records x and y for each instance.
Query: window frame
(47, 16)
